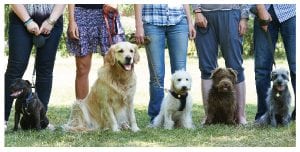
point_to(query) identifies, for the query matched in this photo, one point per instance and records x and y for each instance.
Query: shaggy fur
(109, 105)
(29, 105)
(221, 100)
(172, 113)
(278, 100)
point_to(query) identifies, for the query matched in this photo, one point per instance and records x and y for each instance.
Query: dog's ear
(214, 72)
(136, 57)
(110, 56)
(273, 75)
(234, 73)
(287, 75)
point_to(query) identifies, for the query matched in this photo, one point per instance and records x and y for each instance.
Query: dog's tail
(79, 120)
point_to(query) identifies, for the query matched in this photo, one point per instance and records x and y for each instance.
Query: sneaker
(5, 125)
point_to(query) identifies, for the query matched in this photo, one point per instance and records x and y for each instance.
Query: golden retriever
(109, 105)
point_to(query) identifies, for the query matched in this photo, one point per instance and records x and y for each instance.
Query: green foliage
(126, 9)
(208, 136)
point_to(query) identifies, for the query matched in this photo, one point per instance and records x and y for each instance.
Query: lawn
(211, 136)
(208, 136)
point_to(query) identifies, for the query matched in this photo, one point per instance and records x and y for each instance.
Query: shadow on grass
(208, 136)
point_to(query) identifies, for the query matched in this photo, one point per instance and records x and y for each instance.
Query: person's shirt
(217, 7)
(162, 14)
(283, 11)
(39, 12)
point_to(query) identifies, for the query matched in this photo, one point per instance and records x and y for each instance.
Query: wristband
(28, 21)
(51, 22)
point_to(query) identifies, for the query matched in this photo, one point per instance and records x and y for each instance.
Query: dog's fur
(171, 113)
(29, 105)
(221, 101)
(278, 100)
(109, 105)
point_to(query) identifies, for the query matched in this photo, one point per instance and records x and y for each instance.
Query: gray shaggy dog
(278, 100)
(221, 103)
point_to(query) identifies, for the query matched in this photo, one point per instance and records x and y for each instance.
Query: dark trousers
(264, 55)
(20, 47)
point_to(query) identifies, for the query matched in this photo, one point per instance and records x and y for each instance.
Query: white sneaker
(5, 125)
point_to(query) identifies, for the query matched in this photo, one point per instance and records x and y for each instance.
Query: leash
(112, 30)
(262, 22)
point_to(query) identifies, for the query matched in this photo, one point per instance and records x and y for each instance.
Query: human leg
(207, 51)
(288, 33)
(263, 57)
(20, 45)
(177, 39)
(156, 64)
(232, 49)
(83, 66)
(45, 58)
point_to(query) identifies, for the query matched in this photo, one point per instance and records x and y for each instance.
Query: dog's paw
(116, 129)
(135, 129)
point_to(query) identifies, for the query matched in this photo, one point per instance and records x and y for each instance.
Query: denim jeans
(222, 30)
(20, 47)
(264, 55)
(176, 37)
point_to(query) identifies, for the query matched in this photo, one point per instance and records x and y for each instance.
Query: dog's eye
(187, 79)
(178, 79)
(131, 51)
(121, 51)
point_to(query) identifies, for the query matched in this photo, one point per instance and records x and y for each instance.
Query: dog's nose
(128, 59)
(183, 88)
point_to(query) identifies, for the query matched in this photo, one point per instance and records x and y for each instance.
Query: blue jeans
(176, 37)
(20, 47)
(264, 55)
(222, 30)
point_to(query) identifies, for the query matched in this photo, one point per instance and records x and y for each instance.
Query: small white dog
(176, 107)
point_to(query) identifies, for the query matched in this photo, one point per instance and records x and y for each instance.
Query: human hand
(73, 30)
(200, 20)
(264, 15)
(192, 31)
(243, 26)
(33, 28)
(139, 34)
(46, 27)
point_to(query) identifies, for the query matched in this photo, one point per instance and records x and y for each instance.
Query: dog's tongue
(16, 93)
(127, 67)
(280, 88)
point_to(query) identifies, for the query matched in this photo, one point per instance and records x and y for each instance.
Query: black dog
(29, 105)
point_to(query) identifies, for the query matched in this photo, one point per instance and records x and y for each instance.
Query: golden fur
(109, 105)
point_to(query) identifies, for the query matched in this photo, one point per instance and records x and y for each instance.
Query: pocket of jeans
(202, 30)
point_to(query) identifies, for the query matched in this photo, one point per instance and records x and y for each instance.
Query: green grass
(209, 136)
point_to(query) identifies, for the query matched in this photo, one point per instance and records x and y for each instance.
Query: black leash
(262, 22)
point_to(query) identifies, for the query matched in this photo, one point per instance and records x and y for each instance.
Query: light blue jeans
(176, 37)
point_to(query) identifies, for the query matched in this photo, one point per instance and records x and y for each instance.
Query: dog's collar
(25, 104)
(182, 99)
(29, 98)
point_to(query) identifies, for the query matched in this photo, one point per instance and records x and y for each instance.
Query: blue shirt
(162, 14)
(283, 11)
